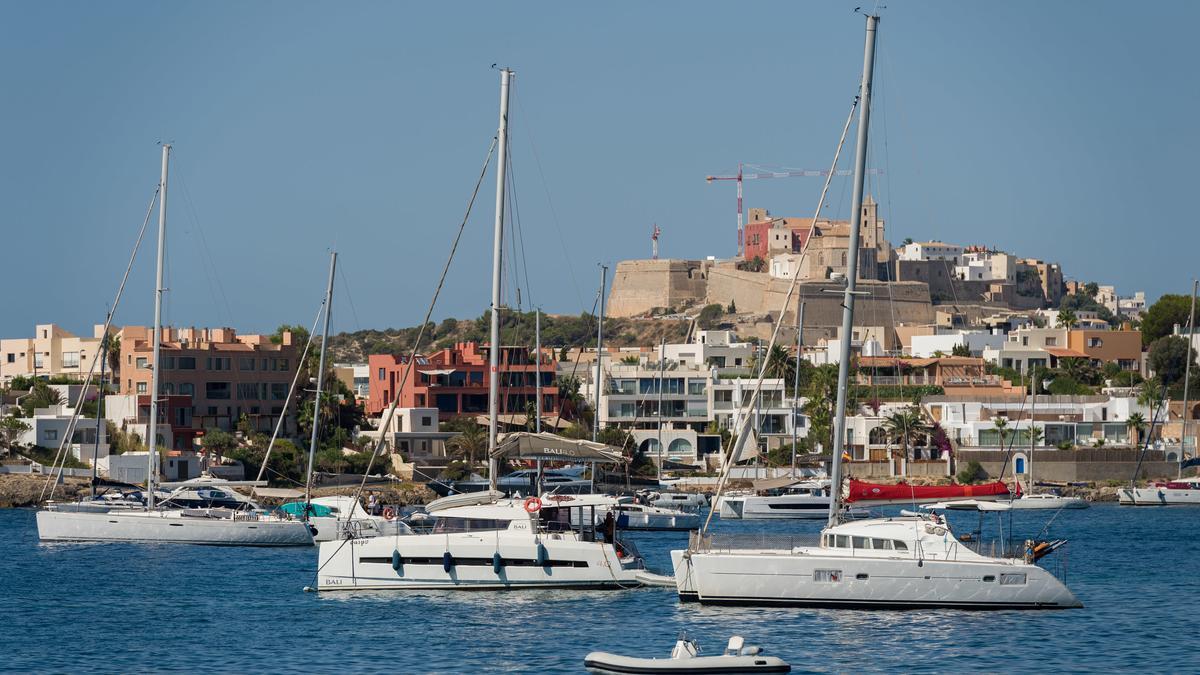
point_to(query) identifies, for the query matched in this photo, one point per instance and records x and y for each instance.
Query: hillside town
(970, 363)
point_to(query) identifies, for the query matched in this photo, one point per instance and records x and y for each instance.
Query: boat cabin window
(989, 578)
(827, 576)
(900, 546)
(881, 544)
(1012, 579)
(843, 541)
(445, 525)
(862, 542)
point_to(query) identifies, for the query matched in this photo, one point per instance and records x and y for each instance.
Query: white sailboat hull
(793, 507)
(358, 564)
(1029, 502)
(1158, 496)
(785, 578)
(169, 527)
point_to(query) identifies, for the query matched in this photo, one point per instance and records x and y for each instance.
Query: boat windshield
(446, 525)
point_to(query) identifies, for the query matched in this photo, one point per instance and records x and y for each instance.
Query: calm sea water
(116, 607)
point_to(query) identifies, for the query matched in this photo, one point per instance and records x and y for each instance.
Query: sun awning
(444, 371)
(776, 483)
(278, 493)
(545, 446)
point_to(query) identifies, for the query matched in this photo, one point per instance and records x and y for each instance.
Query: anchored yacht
(893, 563)
(484, 541)
(1172, 493)
(781, 498)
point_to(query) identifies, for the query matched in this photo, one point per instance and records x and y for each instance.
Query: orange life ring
(388, 513)
(533, 505)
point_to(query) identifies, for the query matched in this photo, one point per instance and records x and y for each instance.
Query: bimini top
(551, 447)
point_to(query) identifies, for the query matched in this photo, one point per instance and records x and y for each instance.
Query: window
(825, 576)
(70, 360)
(143, 362)
(187, 388)
(141, 387)
(426, 420)
(696, 387)
(900, 546)
(382, 374)
(168, 363)
(283, 364)
(167, 388)
(842, 541)
(1051, 342)
(279, 391)
(989, 578)
(247, 391)
(246, 363)
(220, 363)
(12, 358)
(1012, 579)
(187, 363)
(50, 434)
(37, 360)
(1095, 342)
(881, 544)
(217, 390)
(862, 542)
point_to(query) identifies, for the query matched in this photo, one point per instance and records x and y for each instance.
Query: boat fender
(312, 529)
(389, 513)
(497, 562)
(447, 562)
(543, 556)
(397, 561)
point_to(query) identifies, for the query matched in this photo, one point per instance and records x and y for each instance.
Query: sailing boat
(483, 540)
(332, 517)
(165, 523)
(1181, 490)
(905, 562)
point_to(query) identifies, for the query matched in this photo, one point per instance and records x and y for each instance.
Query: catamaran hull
(169, 528)
(1158, 496)
(367, 564)
(657, 521)
(783, 507)
(786, 579)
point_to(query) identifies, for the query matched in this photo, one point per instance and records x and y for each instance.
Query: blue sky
(1058, 130)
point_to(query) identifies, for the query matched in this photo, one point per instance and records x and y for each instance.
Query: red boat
(868, 494)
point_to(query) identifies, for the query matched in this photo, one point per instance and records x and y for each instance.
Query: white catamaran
(483, 540)
(906, 562)
(166, 523)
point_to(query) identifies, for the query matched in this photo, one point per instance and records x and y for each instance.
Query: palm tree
(1151, 396)
(906, 426)
(1002, 428)
(781, 364)
(1036, 435)
(1067, 318)
(1135, 424)
(471, 441)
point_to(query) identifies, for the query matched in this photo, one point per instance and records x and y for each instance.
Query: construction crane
(654, 242)
(768, 172)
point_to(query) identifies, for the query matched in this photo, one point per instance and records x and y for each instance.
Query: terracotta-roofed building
(226, 375)
(455, 381)
(957, 375)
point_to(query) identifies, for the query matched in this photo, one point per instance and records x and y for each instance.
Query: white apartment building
(772, 420)
(53, 351)
(986, 266)
(1027, 347)
(48, 427)
(712, 348)
(415, 433)
(927, 346)
(1080, 420)
(930, 250)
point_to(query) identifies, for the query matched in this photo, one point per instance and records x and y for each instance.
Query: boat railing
(748, 541)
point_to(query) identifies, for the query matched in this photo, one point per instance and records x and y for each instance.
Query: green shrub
(970, 473)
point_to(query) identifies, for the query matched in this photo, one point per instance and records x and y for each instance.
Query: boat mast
(497, 262)
(860, 165)
(537, 386)
(599, 355)
(152, 423)
(316, 419)
(662, 360)
(1033, 387)
(1187, 372)
(796, 380)
(99, 402)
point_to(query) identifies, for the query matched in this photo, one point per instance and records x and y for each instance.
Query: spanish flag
(846, 457)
